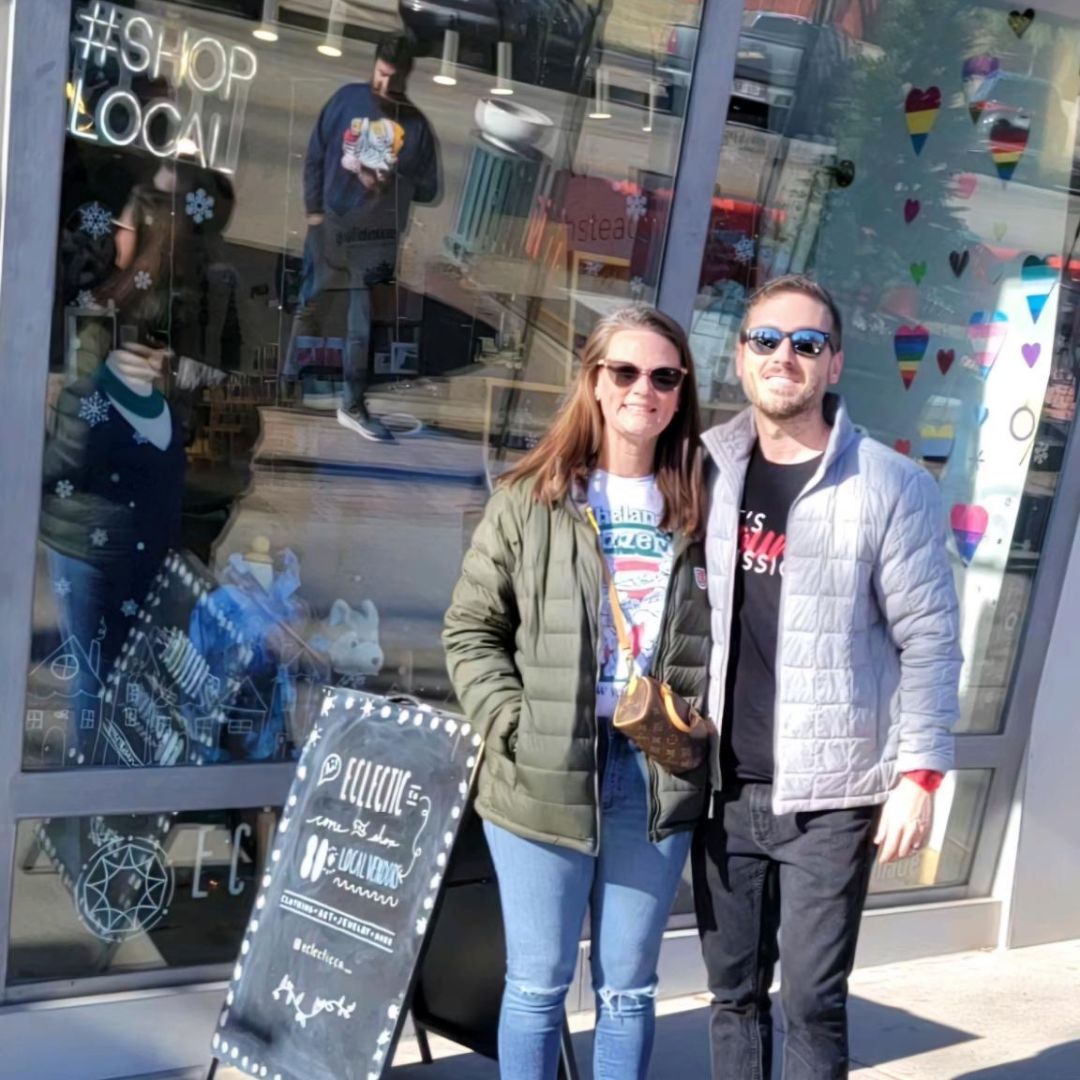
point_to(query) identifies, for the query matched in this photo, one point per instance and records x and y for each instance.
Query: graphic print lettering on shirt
(761, 549)
(639, 554)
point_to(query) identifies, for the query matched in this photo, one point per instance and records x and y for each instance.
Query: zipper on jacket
(593, 610)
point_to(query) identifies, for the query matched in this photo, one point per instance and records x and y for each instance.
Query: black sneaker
(358, 419)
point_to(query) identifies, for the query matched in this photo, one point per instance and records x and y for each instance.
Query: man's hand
(905, 821)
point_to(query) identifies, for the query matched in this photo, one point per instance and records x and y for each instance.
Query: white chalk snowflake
(95, 220)
(65, 489)
(636, 205)
(143, 280)
(99, 538)
(128, 608)
(86, 299)
(94, 409)
(744, 250)
(592, 267)
(62, 587)
(1040, 453)
(199, 205)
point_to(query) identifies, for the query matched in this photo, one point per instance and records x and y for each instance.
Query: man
(371, 155)
(833, 680)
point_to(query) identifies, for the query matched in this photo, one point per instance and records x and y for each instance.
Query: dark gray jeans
(805, 876)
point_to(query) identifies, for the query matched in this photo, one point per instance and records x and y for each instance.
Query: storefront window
(118, 893)
(319, 279)
(920, 161)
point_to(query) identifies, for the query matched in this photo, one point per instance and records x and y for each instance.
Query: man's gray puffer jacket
(868, 654)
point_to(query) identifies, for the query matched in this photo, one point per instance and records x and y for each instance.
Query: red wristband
(928, 779)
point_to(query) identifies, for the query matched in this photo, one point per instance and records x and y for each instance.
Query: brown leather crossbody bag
(664, 725)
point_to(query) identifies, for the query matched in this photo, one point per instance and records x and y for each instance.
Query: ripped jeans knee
(524, 997)
(618, 1003)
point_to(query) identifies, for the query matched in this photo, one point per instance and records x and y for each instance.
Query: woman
(574, 814)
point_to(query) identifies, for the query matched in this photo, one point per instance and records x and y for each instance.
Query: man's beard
(786, 408)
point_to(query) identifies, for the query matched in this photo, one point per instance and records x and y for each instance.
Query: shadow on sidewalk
(1055, 1063)
(879, 1034)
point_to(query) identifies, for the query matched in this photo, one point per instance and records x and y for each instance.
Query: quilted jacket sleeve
(915, 588)
(480, 625)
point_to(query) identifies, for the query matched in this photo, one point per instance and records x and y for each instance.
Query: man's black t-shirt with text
(746, 739)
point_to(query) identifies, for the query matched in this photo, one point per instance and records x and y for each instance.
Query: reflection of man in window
(371, 155)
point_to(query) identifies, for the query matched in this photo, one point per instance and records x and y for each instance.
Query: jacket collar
(733, 442)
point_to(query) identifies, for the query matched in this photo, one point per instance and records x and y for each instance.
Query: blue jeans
(545, 889)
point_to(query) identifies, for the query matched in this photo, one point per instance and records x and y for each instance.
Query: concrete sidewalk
(1009, 1015)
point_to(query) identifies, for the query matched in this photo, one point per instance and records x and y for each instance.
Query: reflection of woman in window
(575, 815)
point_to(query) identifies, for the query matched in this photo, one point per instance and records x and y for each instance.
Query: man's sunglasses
(663, 379)
(766, 339)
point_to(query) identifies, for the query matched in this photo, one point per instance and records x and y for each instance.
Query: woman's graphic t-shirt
(628, 511)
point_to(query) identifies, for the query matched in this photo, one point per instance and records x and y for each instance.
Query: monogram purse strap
(625, 647)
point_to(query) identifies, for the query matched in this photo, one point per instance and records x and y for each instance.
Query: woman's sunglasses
(766, 339)
(663, 379)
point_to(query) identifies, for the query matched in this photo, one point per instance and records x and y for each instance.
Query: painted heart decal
(1019, 21)
(918, 272)
(945, 358)
(936, 442)
(958, 260)
(975, 72)
(987, 332)
(911, 210)
(921, 109)
(909, 343)
(964, 184)
(969, 524)
(1008, 140)
(1037, 277)
(1031, 353)
(1000, 229)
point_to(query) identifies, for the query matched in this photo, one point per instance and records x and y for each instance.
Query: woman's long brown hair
(571, 448)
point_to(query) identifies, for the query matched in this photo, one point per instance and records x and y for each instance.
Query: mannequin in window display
(113, 480)
(370, 156)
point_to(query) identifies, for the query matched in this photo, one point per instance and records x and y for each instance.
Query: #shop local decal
(210, 79)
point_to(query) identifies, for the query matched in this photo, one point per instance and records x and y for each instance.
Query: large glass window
(920, 161)
(322, 270)
(120, 893)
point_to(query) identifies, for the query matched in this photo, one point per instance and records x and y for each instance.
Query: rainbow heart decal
(1038, 278)
(936, 441)
(974, 73)
(1019, 21)
(1031, 353)
(1008, 140)
(918, 272)
(969, 523)
(987, 333)
(921, 109)
(909, 343)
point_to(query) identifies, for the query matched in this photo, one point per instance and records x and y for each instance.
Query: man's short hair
(398, 50)
(797, 283)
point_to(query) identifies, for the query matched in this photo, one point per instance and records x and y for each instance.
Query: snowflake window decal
(636, 205)
(99, 538)
(129, 608)
(62, 587)
(140, 438)
(637, 287)
(94, 409)
(143, 280)
(64, 488)
(199, 206)
(95, 220)
(86, 299)
(592, 267)
(744, 250)
(1040, 453)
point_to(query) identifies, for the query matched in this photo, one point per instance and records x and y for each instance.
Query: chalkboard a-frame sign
(321, 985)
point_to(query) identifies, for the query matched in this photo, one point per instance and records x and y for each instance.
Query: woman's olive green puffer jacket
(521, 642)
